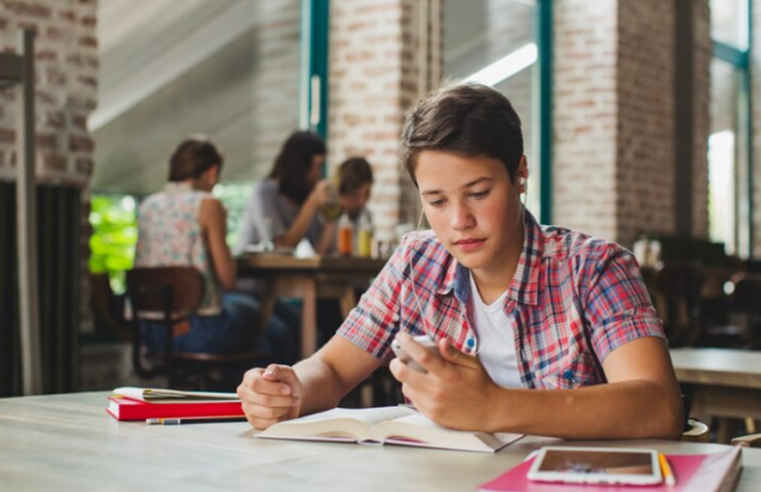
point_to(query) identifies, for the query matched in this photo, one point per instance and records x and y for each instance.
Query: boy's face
(473, 207)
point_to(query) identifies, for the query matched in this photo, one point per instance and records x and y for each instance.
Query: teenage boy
(515, 308)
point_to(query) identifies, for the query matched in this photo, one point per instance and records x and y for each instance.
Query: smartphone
(424, 340)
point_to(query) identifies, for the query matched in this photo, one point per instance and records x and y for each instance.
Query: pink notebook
(715, 472)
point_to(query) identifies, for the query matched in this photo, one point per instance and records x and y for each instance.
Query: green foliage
(112, 245)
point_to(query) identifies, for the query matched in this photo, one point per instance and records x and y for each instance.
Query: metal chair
(170, 295)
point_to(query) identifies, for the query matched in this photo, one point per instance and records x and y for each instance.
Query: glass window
(729, 22)
(229, 69)
(494, 42)
(169, 69)
(728, 145)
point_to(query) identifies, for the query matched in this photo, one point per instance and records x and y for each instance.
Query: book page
(337, 423)
(417, 430)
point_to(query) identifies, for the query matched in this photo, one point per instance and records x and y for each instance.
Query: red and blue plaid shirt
(568, 291)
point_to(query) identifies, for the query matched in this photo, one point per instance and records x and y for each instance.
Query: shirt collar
(524, 287)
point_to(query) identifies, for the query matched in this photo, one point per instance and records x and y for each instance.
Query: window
(498, 43)
(113, 219)
(729, 205)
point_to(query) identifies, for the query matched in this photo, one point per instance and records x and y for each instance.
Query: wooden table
(727, 382)
(68, 443)
(309, 279)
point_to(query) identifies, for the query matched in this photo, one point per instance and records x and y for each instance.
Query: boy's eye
(479, 194)
(436, 203)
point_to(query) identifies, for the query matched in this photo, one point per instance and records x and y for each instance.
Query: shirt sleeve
(618, 307)
(373, 324)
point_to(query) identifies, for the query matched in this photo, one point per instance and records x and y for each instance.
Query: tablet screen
(597, 465)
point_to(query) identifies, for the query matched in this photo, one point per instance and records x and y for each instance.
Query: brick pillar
(373, 80)
(614, 154)
(645, 153)
(703, 54)
(66, 62)
(755, 63)
(585, 116)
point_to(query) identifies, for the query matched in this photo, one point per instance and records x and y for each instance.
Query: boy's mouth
(469, 244)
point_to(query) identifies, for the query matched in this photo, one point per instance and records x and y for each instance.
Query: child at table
(538, 329)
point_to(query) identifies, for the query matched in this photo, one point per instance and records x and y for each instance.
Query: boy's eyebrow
(466, 185)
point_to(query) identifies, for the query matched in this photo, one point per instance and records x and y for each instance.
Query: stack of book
(130, 403)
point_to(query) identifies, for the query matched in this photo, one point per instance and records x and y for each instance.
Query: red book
(122, 408)
(715, 472)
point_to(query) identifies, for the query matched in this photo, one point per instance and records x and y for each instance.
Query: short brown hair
(193, 157)
(352, 174)
(464, 119)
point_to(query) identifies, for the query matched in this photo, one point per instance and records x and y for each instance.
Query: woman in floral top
(185, 225)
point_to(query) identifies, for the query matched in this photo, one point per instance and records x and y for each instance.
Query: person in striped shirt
(538, 329)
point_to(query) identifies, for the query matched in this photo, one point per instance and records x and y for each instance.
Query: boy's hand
(457, 392)
(270, 396)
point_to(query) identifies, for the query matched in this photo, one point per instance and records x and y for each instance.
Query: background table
(725, 382)
(308, 279)
(68, 443)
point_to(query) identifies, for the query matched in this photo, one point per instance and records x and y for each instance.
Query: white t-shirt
(496, 347)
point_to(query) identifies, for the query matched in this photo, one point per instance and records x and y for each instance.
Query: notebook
(129, 403)
(716, 472)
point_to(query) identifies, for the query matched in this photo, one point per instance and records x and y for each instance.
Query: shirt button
(471, 343)
(569, 375)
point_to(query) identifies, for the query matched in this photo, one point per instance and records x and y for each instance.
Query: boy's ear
(522, 174)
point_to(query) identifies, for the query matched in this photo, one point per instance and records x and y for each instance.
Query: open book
(385, 425)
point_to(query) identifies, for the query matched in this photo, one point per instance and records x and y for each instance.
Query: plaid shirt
(568, 290)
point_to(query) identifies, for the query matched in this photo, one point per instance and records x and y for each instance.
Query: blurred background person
(283, 208)
(184, 225)
(355, 183)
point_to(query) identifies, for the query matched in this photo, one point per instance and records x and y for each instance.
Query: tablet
(596, 465)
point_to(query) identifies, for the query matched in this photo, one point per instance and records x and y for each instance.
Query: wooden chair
(694, 430)
(175, 293)
(746, 301)
(107, 310)
(678, 286)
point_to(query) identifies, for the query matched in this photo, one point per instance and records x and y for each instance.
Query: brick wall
(703, 54)
(66, 71)
(275, 80)
(373, 81)
(585, 115)
(613, 154)
(66, 65)
(645, 143)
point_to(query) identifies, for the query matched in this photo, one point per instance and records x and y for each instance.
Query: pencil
(668, 474)
(195, 420)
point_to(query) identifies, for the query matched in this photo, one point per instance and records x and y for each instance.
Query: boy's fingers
(451, 354)
(427, 357)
